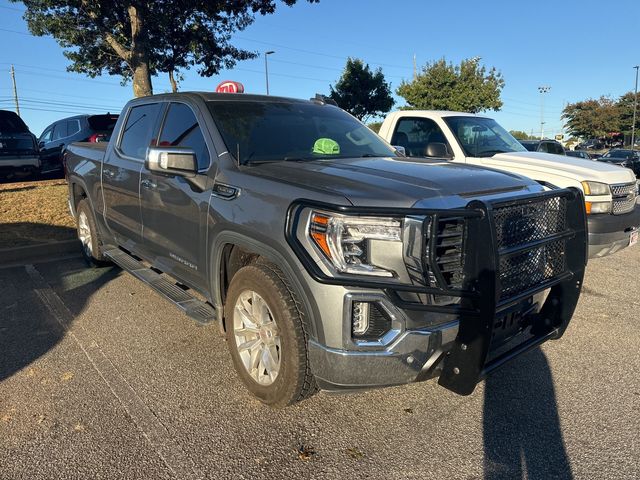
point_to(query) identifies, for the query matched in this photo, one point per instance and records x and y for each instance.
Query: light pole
(266, 68)
(542, 89)
(635, 107)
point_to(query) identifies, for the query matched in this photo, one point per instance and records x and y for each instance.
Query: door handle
(148, 184)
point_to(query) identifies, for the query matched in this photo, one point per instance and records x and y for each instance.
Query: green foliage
(596, 118)
(374, 126)
(136, 40)
(520, 135)
(467, 87)
(361, 92)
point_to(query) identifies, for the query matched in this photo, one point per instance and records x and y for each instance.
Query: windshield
(618, 154)
(482, 137)
(264, 131)
(11, 123)
(531, 146)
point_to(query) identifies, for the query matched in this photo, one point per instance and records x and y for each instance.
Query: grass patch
(34, 213)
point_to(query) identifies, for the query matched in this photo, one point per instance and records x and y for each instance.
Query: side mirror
(401, 150)
(438, 150)
(172, 161)
(41, 145)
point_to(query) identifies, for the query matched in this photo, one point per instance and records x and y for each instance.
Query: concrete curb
(29, 253)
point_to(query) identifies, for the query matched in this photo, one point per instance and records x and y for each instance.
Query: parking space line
(147, 422)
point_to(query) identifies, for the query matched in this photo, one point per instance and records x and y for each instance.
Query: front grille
(624, 198)
(449, 250)
(527, 223)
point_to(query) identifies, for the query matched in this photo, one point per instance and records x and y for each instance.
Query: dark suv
(18, 146)
(625, 158)
(81, 128)
(543, 146)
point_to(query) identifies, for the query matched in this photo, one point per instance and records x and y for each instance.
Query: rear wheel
(89, 236)
(266, 337)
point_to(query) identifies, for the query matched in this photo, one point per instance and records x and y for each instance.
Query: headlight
(595, 188)
(597, 207)
(351, 244)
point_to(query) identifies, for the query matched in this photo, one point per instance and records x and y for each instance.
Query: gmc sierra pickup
(329, 261)
(610, 191)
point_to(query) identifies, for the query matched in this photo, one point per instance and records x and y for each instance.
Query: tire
(89, 236)
(275, 331)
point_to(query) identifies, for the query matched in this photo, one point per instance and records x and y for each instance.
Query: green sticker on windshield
(326, 146)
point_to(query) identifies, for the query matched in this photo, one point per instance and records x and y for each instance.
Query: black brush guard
(493, 264)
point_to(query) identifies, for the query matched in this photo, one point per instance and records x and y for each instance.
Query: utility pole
(635, 107)
(15, 90)
(415, 67)
(266, 68)
(542, 89)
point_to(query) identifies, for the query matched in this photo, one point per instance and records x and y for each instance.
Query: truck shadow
(521, 427)
(28, 329)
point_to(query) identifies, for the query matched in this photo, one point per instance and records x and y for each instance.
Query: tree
(374, 126)
(467, 87)
(520, 135)
(361, 92)
(592, 118)
(136, 40)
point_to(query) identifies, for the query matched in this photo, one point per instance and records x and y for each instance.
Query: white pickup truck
(610, 191)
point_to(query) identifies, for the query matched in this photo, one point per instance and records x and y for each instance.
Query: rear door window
(137, 133)
(60, 131)
(416, 133)
(181, 129)
(73, 127)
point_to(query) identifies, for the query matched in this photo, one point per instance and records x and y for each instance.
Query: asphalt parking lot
(101, 378)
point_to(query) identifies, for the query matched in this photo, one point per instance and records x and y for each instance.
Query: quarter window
(73, 127)
(137, 134)
(181, 129)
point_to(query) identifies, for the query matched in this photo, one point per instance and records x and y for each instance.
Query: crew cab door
(121, 174)
(174, 208)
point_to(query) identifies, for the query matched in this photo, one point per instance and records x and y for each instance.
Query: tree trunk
(139, 57)
(142, 80)
(172, 80)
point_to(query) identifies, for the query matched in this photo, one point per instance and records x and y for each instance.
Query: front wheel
(266, 336)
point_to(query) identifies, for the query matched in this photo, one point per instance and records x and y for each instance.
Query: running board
(201, 312)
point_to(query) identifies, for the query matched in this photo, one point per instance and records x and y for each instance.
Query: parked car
(579, 154)
(18, 146)
(591, 144)
(478, 140)
(81, 128)
(625, 158)
(544, 146)
(329, 261)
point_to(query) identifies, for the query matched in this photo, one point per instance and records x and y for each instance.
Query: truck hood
(574, 168)
(394, 181)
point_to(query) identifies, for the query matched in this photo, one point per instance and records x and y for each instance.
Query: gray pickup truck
(329, 261)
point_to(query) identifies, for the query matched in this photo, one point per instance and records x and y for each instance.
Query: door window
(416, 133)
(137, 134)
(59, 131)
(181, 129)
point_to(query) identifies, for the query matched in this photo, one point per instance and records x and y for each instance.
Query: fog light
(369, 321)
(360, 318)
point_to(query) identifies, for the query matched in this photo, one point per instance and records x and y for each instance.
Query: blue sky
(580, 48)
